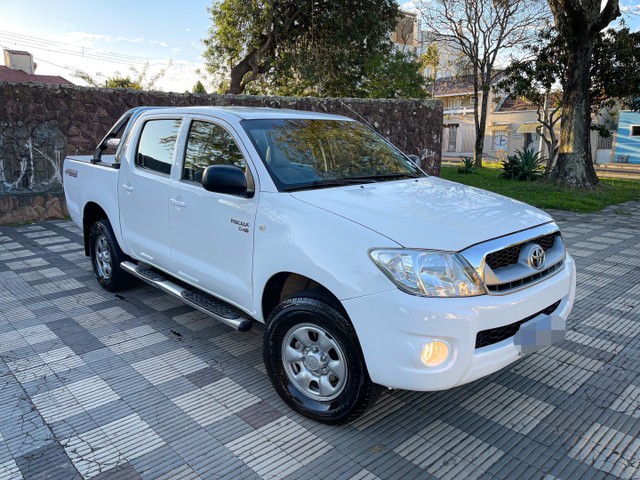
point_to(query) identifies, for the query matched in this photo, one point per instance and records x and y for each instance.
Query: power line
(59, 47)
(71, 69)
(56, 44)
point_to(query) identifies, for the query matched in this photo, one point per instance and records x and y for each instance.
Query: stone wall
(41, 124)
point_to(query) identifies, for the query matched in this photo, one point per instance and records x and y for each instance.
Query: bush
(524, 165)
(466, 165)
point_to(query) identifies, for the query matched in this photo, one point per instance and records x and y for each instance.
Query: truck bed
(87, 182)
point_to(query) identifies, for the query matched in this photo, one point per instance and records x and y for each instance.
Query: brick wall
(41, 124)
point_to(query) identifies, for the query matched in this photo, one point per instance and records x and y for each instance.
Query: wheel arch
(284, 285)
(91, 214)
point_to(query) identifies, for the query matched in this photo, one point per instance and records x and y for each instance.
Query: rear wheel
(314, 361)
(106, 257)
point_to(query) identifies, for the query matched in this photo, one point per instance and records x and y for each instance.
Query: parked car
(366, 272)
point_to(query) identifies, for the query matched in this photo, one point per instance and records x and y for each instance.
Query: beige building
(19, 67)
(512, 124)
(405, 35)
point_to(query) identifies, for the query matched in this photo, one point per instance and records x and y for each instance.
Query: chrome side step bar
(199, 300)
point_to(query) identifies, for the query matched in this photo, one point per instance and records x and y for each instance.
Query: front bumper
(393, 328)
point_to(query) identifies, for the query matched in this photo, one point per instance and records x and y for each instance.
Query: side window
(157, 144)
(209, 144)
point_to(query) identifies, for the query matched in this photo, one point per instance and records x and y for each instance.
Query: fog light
(434, 353)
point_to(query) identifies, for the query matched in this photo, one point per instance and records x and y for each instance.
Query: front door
(212, 233)
(143, 191)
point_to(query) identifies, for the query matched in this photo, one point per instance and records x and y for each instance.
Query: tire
(314, 361)
(106, 257)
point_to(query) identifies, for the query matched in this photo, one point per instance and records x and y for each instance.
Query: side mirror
(224, 179)
(112, 143)
(415, 159)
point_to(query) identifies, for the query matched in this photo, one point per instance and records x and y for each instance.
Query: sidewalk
(137, 385)
(623, 171)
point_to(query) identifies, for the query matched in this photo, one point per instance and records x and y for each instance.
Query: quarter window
(209, 144)
(157, 143)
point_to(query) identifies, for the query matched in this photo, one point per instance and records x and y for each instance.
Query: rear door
(143, 190)
(212, 234)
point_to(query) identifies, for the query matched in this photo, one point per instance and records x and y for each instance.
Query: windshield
(303, 153)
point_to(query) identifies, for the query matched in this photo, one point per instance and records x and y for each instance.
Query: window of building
(452, 138)
(500, 140)
(209, 144)
(531, 141)
(157, 145)
(605, 143)
(634, 130)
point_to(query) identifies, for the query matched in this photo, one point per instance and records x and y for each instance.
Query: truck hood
(427, 212)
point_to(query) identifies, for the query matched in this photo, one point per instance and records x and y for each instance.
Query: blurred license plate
(542, 331)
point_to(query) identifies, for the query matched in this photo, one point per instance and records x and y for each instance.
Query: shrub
(466, 165)
(524, 165)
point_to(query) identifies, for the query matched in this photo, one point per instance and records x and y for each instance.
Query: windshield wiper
(337, 182)
(386, 176)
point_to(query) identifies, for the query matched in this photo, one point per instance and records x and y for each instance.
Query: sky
(121, 33)
(105, 37)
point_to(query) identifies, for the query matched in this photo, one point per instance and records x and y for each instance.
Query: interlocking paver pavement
(138, 385)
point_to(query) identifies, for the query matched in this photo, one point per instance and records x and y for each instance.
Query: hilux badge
(536, 257)
(242, 225)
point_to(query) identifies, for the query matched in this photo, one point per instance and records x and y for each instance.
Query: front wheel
(106, 257)
(314, 361)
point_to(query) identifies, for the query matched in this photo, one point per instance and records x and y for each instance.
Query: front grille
(546, 241)
(521, 282)
(485, 338)
(509, 256)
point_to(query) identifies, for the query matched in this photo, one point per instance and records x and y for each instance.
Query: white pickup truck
(366, 272)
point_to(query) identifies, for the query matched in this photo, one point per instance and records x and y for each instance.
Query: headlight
(429, 273)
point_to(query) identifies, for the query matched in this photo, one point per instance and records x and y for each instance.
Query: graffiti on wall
(31, 157)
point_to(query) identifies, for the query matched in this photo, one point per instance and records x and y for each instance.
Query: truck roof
(247, 113)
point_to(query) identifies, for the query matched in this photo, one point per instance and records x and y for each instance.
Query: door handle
(178, 203)
(127, 187)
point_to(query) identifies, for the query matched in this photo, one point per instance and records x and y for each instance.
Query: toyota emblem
(536, 257)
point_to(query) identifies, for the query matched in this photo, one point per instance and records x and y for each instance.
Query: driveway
(138, 385)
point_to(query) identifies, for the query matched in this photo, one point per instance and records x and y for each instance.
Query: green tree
(430, 60)
(198, 88)
(579, 24)
(297, 47)
(614, 78)
(534, 80)
(118, 81)
(615, 69)
(393, 75)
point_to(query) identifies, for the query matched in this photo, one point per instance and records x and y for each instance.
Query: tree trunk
(575, 165)
(250, 64)
(481, 124)
(238, 72)
(478, 149)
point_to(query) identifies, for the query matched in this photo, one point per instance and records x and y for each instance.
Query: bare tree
(578, 23)
(548, 117)
(141, 79)
(480, 30)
